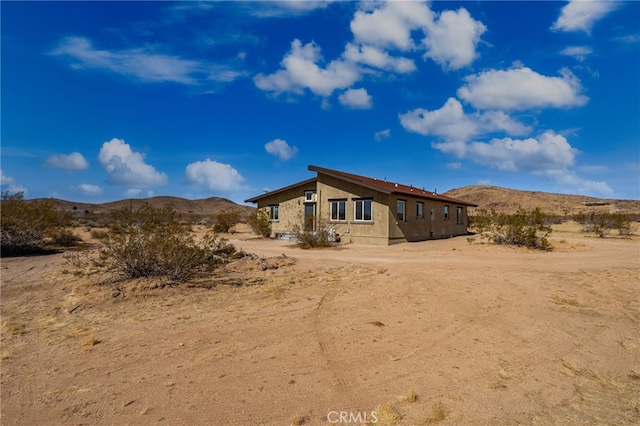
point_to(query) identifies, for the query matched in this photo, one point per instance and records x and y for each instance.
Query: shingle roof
(371, 183)
(388, 187)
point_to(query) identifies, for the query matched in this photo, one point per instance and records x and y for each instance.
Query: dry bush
(31, 227)
(519, 229)
(225, 220)
(260, 222)
(601, 223)
(155, 242)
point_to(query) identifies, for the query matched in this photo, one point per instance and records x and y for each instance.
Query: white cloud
(127, 168)
(281, 149)
(520, 89)
(132, 193)
(73, 161)
(580, 53)
(454, 166)
(550, 151)
(390, 25)
(382, 135)
(580, 15)
(356, 98)
(88, 189)
(452, 39)
(573, 183)
(145, 64)
(213, 176)
(300, 70)
(377, 58)
(5, 180)
(451, 123)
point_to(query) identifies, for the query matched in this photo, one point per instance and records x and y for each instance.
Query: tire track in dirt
(340, 370)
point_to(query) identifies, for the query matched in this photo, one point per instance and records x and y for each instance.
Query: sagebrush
(526, 228)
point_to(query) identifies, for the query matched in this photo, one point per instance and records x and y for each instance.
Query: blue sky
(109, 100)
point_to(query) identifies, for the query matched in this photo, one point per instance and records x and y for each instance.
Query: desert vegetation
(525, 228)
(156, 242)
(602, 223)
(32, 228)
(260, 222)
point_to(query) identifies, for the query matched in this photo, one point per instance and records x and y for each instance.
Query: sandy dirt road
(484, 334)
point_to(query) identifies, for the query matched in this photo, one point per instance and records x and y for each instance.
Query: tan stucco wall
(383, 229)
(374, 232)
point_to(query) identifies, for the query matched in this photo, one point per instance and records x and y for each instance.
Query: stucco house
(365, 210)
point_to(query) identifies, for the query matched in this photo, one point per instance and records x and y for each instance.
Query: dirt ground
(448, 331)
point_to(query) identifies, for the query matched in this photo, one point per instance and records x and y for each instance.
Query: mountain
(508, 200)
(205, 207)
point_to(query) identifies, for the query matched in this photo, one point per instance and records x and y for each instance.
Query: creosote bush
(526, 228)
(155, 242)
(225, 220)
(601, 223)
(32, 227)
(260, 222)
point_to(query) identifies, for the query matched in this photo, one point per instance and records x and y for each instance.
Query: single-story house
(365, 210)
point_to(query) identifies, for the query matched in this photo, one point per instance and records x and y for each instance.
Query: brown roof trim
(277, 191)
(388, 187)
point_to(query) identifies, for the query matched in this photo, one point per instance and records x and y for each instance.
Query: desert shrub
(225, 220)
(260, 222)
(29, 227)
(65, 238)
(306, 238)
(155, 242)
(601, 223)
(526, 228)
(99, 234)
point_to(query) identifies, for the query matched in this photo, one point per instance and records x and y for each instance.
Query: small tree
(260, 222)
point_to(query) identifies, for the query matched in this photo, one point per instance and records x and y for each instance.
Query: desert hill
(508, 200)
(205, 207)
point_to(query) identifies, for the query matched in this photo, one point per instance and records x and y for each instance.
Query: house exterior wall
(427, 227)
(385, 226)
(291, 208)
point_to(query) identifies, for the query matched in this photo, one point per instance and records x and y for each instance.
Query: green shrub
(260, 222)
(225, 220)
(29, 227)
(155, 242)
(307, 239)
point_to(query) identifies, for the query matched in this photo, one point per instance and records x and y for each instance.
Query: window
(338, 210)
(446, 212)
(420, 210)
(363, 210)
(274, 212)
(309, 196)
(400, 209)
(459, 215)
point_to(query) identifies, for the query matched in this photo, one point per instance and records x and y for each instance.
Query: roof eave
(279, 190)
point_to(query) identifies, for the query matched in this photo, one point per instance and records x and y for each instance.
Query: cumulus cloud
(356, 99)
(390, 25)
(213, 176)
(452, 39)
(5, 180)
(573, 183)
(73, 161)
(281, 149)
(300, 70)
(382, 135)
(88, 189)
(377, 58)
(580, 53)
(522, 88)
(128, 168)
(451, 123)
(580, 15)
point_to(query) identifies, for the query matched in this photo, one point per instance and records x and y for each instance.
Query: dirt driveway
(441, 331)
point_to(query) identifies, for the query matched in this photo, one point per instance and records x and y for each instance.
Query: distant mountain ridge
(489, 197)
(509, 200)
(206, 206)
